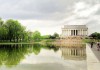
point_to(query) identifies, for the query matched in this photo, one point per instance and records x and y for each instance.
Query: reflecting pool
(42, 57)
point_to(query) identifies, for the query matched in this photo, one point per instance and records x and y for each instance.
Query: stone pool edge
(92, 61)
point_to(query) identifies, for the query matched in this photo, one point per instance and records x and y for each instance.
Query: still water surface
(42, 57)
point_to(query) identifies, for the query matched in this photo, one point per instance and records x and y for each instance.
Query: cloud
(50, 14)
(33, 9)
(39, 9)
(87, 12)
(44, 26)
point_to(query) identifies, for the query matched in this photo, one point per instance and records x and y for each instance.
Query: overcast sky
(49, 16)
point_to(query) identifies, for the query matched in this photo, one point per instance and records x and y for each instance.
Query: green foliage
(12, 31)
(36, 36)
(12, 54)
(36, 48)
(3, 33)
(1, 22)
(54, 36)
(87, 40)
(95, 35)
(45, 37)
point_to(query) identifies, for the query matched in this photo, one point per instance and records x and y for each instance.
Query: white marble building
(74, 30)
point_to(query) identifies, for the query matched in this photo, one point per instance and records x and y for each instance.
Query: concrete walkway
(93, 58)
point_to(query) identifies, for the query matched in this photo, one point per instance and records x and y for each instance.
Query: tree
(56, 35)
(45, 36)
(36, 35)
(95, 35)
(15, 30)
(51, 37)
(3, 33)
(11, 25)
(3, 30)
(1, 22)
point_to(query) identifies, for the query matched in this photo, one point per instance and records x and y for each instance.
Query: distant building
(74, 30)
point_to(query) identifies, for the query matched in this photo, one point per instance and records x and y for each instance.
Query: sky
(49, 16)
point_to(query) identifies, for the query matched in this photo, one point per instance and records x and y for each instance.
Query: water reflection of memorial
(13, 54)
(75, 52)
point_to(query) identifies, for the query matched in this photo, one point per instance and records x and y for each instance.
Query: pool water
(42, 57)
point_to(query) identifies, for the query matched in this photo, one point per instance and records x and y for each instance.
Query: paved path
(93, 58)
(96, 52)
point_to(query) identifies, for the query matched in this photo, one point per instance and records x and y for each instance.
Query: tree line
(95, 35)
(37, 36)
(12, 31)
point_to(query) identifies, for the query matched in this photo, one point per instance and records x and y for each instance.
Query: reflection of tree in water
(13, 54)
(36, 48)
(52, 46)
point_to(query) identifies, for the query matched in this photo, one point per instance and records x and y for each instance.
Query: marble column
(70, 32)
(63, 32)
(73, 32)
(83, 32)
(80, 32)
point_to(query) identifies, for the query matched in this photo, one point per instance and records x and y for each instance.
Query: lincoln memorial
(74, 30)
